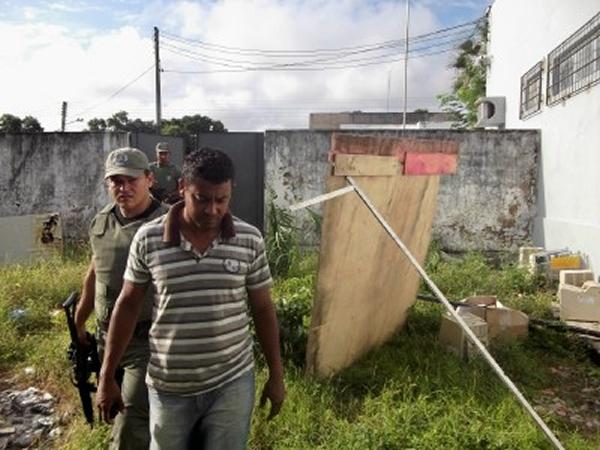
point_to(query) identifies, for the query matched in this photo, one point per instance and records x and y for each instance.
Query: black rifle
(84, 360)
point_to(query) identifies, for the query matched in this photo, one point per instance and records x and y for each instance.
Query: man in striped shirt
(205, 265)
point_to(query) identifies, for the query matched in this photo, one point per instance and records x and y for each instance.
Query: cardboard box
(576, 277)
(580, 303)
(503, 322)
(455, 339)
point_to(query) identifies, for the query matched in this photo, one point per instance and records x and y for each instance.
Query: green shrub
(293, 302)
(281, 240)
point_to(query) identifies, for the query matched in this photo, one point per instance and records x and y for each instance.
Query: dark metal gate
(247, 152)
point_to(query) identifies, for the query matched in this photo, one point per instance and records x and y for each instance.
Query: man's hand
(82, 335)
(108, 399)
(275, 392)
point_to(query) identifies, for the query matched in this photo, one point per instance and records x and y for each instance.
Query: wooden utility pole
(63, 117)
(157, 80)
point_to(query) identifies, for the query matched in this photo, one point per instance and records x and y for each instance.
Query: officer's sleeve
(259, 274)
(137, 268)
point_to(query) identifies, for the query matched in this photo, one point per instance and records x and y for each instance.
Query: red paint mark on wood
(388, 146)
(430, 164)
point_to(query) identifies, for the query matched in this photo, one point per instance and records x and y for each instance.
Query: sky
(253, 64)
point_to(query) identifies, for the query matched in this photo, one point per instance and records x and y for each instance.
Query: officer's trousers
(131, 428)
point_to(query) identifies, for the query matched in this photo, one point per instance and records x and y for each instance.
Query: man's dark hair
(210, 164)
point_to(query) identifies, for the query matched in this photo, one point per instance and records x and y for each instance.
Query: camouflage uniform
(166, 177)
(110, 242)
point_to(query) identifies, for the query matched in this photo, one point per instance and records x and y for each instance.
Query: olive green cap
(126, 161)
(162, 147)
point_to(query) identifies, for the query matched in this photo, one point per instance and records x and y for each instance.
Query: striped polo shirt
(200, 338)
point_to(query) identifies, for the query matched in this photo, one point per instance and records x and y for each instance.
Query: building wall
(488, 205)
(56, 172)
(522, 33)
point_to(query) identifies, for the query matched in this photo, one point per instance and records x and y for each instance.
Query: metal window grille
(531, 91)
(575, 64)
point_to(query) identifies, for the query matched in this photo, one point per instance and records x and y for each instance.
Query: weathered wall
(488, 205)
(56, 172)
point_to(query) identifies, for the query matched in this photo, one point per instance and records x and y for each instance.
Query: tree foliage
(14, 124)
(96, 124)
(186, 127)
(120, 121)
(469, 84)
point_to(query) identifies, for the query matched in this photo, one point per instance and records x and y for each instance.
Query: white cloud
(30, 13)
(48, 63)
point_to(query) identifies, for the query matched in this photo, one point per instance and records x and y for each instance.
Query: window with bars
(531, 91)
(575, 64)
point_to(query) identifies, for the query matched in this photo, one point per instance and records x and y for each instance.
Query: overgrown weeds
(410, 393)
(473, 274)
(281, 240)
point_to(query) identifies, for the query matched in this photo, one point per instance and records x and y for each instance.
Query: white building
(545, 60)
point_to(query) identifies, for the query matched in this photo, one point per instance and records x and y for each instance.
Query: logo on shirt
(231, 265)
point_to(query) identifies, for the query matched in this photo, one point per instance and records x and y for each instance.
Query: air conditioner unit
(491, 112)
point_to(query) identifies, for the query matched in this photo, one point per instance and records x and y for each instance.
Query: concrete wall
(56, 172)
(488, 205)
(568, 207)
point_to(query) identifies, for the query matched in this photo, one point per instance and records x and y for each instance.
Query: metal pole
(388, 89)
(488, 357)
(157, 80)
(63, 117)
(406, 65)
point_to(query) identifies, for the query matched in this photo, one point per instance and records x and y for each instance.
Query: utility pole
(406, 65)
(388, 89)
(63, 117)
(157, 80)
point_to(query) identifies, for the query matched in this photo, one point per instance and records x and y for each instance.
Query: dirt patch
(574, 398)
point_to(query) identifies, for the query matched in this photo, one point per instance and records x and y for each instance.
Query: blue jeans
(219, 419)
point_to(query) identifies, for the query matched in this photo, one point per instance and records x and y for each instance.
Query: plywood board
(389, 146)
(365, 284)
(366, 165)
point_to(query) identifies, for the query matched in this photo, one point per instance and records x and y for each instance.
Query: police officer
(128, 179)
(166, 175)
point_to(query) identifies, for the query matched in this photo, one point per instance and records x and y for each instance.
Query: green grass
(410, 393)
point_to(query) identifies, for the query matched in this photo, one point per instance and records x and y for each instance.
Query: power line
(296, 52)
(111, 96)
(243, 64)
(428, 44)
(390, 59)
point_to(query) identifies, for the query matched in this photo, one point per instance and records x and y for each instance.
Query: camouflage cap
(162, 147)
(126, 161)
